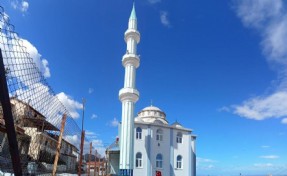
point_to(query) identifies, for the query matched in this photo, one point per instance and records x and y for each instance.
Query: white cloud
(24, 6)
(73, 139)
(94, 116)
(284, 121)
(71, 105)
(164, 18)
(114, 122)
(154, 1)
(91, 90)
(40, 97)
(42, 64)
(20, 5)
(205, 163)
(270, 157)
(204, 160)
(254, 13)
(21, 50)
(269, 19)
(25, 55)
(3, 18)
(224, 109)
(210, 166)
(97, 144)
(91, 135)
(14, 4)
(265, 146)
(46, 70)
(263, 165)
(260, 108)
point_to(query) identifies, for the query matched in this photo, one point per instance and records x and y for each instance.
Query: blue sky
(217, 67)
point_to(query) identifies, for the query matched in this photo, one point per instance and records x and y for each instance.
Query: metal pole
(9, 122)
(82, 141)
(59, 144)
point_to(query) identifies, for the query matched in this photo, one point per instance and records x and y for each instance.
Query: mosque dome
(152, 114)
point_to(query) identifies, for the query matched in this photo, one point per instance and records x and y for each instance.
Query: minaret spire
(133, 18)
(133, 13)
(129, 95)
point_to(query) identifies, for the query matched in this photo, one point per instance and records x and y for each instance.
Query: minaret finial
(133, 13)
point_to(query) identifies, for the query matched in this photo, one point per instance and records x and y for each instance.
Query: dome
(152, 114)
(151, 108)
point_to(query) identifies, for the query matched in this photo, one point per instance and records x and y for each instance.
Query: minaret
(129, 96)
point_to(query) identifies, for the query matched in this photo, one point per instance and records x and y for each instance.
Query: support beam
(81, 153)
(59, 145)
(9, 122)
(90, 155)
(95, 167)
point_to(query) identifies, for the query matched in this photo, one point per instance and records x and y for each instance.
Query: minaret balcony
(132, 33)
(132, 59)
(129, 94)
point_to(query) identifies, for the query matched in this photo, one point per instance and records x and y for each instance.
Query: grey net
(37, 112)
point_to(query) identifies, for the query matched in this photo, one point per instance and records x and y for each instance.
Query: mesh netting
(37, 112)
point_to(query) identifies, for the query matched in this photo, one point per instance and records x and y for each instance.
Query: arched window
(179, 162)
(159, 161)
(159, 135)
(139, 160)
(179, 137)
(139, 133)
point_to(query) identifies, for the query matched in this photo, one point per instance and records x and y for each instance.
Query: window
(179, 137)
(139, 160)
(159, 161)
(159, 135)
(179, 162)
(139, 133)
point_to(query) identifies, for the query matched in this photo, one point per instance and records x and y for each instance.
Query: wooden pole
(8, 118)
(95, 172)
(108, 163)
(59, 144)
(106, 167)
(90, 155)
(81, 153)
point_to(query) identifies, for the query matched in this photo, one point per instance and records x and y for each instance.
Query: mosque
(148, 145)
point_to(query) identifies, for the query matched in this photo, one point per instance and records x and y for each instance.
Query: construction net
(37, 111)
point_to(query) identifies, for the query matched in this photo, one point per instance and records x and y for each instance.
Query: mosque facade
(160, 148)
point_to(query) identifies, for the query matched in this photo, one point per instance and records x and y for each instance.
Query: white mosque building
(148, 144)
(160, 147)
